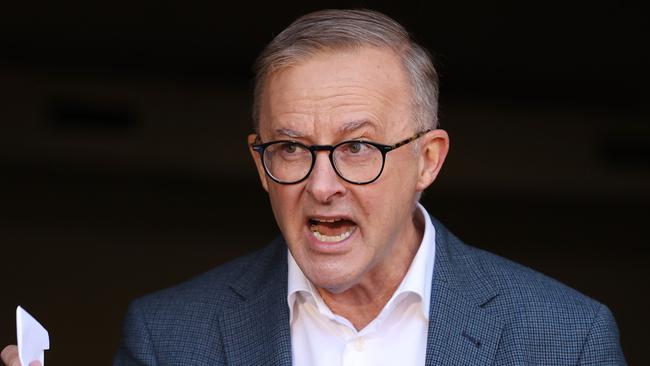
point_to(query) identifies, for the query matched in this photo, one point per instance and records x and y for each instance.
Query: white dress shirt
(397, 336)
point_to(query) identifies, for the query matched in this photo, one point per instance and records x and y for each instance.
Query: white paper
(33, 339)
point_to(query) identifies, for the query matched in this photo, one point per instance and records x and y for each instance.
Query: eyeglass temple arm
(257, 140)
(408, 140)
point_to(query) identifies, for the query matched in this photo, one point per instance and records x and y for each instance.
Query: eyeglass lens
(354, 161)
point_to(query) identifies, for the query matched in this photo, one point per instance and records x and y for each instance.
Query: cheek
(390, 197)
(285, 204)
(375, 207)
(400, 180)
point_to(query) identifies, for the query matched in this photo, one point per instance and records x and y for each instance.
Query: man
(346, 141)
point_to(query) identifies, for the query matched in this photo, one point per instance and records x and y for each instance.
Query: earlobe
(433, 151)
(258, 162)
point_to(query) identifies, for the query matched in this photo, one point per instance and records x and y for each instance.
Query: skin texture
(9, 357)
(334, 96)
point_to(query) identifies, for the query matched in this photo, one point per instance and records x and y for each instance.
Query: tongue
(333, 228)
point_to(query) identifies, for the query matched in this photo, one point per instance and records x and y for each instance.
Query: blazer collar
(461, 329)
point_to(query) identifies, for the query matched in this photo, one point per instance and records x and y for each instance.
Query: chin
(335, 271)
(333, 279)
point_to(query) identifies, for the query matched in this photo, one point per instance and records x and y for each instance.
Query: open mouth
(331, 230)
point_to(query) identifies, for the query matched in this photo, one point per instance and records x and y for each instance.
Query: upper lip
(328, 218)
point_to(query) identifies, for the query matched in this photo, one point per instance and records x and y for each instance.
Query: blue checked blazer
(485, 310)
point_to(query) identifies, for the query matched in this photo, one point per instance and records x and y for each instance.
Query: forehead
(336, 91)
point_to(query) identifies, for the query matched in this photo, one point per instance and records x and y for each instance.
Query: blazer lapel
(461, 330)
(256, 332)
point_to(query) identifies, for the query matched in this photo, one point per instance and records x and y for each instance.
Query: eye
(289, 147)
(355, 147)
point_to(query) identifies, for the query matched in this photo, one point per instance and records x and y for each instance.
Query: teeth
(326, 220)
(334, 238)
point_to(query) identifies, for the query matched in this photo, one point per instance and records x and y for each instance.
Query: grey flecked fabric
(485, 310)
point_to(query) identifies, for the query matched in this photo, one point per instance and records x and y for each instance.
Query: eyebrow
(289, 133)
(355, 125)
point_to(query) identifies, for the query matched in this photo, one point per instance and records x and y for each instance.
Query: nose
(323, 183)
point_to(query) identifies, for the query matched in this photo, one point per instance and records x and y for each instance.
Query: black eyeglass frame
(383, 149)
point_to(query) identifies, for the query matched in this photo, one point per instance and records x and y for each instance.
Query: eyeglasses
(355, 161)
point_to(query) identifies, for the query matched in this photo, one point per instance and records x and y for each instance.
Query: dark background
(124, 167)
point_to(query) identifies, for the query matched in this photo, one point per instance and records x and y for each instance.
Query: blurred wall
(125, 169)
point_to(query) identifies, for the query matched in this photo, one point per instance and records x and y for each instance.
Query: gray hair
(344, 29)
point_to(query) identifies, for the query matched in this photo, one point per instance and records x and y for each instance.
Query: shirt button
(359, 344)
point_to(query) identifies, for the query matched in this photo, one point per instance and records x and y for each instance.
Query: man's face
(343, 234)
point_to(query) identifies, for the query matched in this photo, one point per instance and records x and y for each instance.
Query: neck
(363, 302)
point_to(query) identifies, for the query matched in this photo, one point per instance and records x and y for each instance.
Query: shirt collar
(417, 280)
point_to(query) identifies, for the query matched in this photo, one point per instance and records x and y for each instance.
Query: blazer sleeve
(602, 346)
(136, 348)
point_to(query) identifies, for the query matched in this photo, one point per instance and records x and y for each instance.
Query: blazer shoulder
(219, 288)
(548, 321)
(524, 283)
(515, 284)
(181, 322)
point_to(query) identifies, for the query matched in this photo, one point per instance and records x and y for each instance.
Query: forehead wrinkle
(331, 94)
(350, 95)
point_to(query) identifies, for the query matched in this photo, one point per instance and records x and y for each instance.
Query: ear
(433, 151)
(258, 162)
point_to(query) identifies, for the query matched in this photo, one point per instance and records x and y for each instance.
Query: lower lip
(330, 247)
